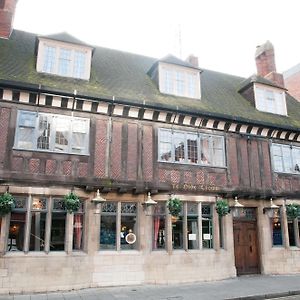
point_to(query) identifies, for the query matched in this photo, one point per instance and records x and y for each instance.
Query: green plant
(7, 203)
(174, 206)
(293, 210)
(222, 207)
(72, 202)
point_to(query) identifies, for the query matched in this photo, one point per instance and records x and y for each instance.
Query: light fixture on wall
(272, 211)
(148, 204)
(237, 208)
(98, 199)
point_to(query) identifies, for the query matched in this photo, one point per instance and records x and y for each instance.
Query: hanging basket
(71, 202)
(7, 203)
(222, 207)
(292, 211)
(174, 206)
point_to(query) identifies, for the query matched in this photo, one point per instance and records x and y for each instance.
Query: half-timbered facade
(79, 118)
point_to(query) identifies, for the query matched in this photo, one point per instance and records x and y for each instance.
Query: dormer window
(179, 81)
(270, 99)
(64, 59)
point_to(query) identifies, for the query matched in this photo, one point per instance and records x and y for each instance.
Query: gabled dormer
(63, 55)
(266, 89)
(177, 77)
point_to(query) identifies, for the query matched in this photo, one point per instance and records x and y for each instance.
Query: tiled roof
(124, 76)
(64, 37)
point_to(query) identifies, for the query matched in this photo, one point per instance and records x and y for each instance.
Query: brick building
(291, 81)
(79, 118)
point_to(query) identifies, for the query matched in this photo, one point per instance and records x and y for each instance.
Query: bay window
(191, 148)
(286, 158)
(50, 132)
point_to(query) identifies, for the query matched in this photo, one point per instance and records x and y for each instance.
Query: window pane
(179, 141)
(64, 62)
(204, 146)
(192, 226)
(177, 232)
(192, 148)
(128, 232)
(159, 226)
(291, 230)
(296, 159)
(78, 232)
(108, 226)
(16, 231)
(43, 141)
(37, 233)
(287, 159)
(58, 229)
(207, 227)
(277, 233)
(108, 232)
(79, 64)
(62, 128)
(49, 59)
(217, 151)
(165, 146)
(179, 83)
(26, 138)
(168, 81)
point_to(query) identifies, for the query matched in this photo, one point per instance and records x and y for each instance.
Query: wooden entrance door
(245, 247)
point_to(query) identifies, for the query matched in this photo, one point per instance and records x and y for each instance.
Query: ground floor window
(185, 227)
(118, 226)
(39, 224)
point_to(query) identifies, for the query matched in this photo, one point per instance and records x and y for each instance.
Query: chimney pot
(193, 60)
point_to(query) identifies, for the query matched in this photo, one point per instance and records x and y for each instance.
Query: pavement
(240, 288)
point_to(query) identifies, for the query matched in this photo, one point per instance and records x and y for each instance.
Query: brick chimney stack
(193, 60)
(265, 63)
(7, 12)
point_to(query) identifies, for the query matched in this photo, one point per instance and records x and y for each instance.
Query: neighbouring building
(292, 81)
(74, 117)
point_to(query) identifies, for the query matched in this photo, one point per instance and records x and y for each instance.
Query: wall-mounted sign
(192, 237)
(206, 236)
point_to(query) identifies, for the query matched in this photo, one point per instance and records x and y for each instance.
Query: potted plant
(292, 211)
(7, 203)
(71, 202)
(222, 207)
(174, 205)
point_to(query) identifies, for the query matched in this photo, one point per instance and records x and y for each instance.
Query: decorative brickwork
(200, 177)
(17, 164)
(148, 153)
(132, 152)
(100, 148)
(67, 168)
(243, 162)
(255, 165)
(50, 167)
(34, 165)
(188, 177)
(116, 148)
(4, 119)
(267, 172)
(82, 169)
(175, 176)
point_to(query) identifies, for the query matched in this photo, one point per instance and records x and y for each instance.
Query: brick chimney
(265, 63)
(193, 60)
(7, 12)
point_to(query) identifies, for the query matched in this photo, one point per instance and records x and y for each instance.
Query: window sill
(191, 164)
(49, 151)
(120, 252)
(43, 254)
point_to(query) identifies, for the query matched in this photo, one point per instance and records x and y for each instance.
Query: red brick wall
(132, 152)
(116, 151)
(232, 161)
(148, 153)
(100, 148)
(6, 18)
(4, 124)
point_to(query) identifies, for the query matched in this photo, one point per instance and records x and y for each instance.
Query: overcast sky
(222, 33)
